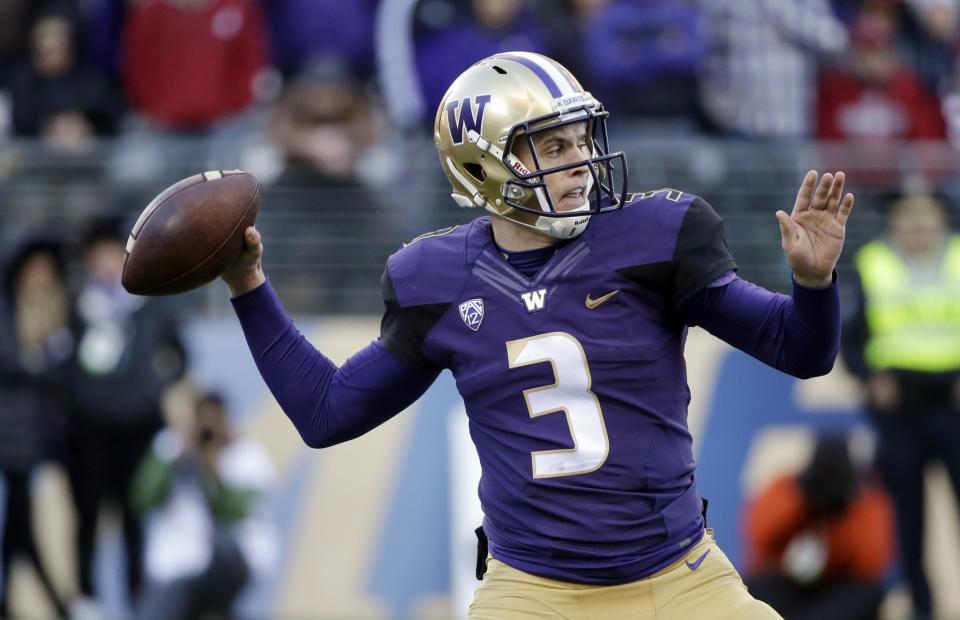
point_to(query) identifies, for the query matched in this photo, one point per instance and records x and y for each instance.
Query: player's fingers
(253, 249)
(823, 191)
(251, 234)
(846, 205)
(805, 192)
(786, 227)
(836, 192)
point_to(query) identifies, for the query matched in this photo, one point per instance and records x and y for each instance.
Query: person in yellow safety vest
(903, 342)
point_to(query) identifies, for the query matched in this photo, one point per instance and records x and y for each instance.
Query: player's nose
(573, 156)
(579, 171)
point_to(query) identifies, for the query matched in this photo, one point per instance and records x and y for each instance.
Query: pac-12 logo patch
(471, 312)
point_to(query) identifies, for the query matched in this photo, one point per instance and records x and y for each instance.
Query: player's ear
(600, 170)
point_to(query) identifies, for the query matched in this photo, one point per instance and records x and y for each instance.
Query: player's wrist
(807, 281)
(246, 283)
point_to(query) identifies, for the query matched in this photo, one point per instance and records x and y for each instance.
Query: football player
(562, 314)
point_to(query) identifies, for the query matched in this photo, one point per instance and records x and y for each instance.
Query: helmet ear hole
(476, 171)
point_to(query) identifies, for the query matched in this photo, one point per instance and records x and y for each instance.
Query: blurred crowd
(330, 73)
(84, 370)
(332, 105)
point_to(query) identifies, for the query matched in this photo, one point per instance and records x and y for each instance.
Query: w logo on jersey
(534, 300)
(472, 313)
(467, 120)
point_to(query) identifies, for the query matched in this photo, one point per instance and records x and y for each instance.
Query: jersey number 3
(570, 393)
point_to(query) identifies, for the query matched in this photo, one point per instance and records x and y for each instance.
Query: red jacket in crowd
(190, 63)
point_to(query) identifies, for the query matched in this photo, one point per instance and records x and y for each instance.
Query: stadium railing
(326, 241)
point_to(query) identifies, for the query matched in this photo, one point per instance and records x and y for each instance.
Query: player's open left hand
(812, 235)
(246, 272)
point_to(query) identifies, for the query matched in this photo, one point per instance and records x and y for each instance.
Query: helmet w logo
(467, 119)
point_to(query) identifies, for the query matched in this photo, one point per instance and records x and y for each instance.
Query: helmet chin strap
(567, 227)
(559, 228)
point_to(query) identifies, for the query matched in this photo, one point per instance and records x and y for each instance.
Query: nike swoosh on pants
(696, 563)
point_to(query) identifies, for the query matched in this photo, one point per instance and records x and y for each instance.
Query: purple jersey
(574, 381)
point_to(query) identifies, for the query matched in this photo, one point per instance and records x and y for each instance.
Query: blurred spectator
(903, 342)
(950, 105)
(191, 63)
(644, 58)
(55, 97)
(324, 122)
(848, 10)
(820, 543)
(931, 31)
(13, 20)
(304, 32)
(940, 18)
(760, 76)
(16, 19)
(492, 26)
(129, 352)
(875, 96)
(101, 33)
(36, 343)
(564, 28)
(442, 41)
(201, 488)
(873, 103)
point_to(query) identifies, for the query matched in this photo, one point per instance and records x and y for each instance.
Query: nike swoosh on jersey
(593, 303)
(696, 563)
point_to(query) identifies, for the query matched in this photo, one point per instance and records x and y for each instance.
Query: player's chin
(570, 202)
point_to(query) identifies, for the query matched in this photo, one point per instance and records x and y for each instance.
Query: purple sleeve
(328, 405)
(799, 335)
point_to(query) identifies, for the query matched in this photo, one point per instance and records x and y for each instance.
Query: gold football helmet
(515, 96)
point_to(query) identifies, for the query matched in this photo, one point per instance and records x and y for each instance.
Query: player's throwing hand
(812, 235)
(246, 273)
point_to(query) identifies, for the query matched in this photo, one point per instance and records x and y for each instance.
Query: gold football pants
(703, 585)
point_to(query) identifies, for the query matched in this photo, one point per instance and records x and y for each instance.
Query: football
(190, 232)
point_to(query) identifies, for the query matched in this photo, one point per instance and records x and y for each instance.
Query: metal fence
(327, 240)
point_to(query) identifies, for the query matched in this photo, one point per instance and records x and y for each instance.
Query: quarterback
(562, 314)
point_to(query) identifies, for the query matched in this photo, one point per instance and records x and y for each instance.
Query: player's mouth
(574, 198)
